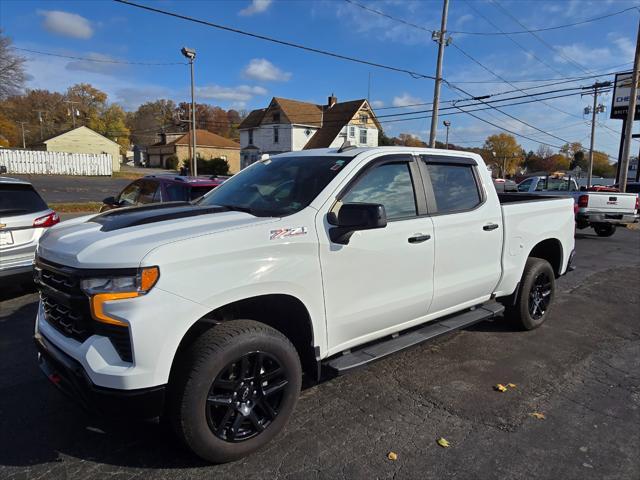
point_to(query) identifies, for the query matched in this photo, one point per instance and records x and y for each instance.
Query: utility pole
(443, 41)
(190, 54)
(74, 110)
(624, 161)
(594, 111)
(40, 112)
(24, 144)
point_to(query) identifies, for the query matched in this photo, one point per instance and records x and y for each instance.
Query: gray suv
(24, 216)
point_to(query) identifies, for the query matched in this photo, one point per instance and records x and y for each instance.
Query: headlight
(106, 289)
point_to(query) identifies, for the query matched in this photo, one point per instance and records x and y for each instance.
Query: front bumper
(616, 219)
(69, 376)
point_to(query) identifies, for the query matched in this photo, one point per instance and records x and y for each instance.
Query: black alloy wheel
(245, 397)
(540, 295)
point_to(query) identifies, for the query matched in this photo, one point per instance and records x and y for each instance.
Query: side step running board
(376, 351)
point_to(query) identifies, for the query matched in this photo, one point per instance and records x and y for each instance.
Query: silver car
(24, 216)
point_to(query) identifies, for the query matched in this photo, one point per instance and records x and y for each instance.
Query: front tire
(234, 390)
(604, 229)
(535, 295)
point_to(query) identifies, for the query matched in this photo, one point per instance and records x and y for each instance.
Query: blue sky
(244, 73)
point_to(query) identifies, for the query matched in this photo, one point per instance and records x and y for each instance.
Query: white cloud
(66, 24)
(582, 54)
(257, 6)
(263, 69)
(405, 99)
(241, 93)
(626, 48)
(377, 103)
(102, 64)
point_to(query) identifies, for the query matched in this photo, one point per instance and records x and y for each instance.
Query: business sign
(621, 94)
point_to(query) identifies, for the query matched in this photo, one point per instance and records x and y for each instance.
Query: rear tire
(535, 294)
(604, 229)
(234, 390)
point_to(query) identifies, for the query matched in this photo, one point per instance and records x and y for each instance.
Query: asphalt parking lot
(581, 370)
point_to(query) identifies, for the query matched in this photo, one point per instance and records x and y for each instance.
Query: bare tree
(12, 75)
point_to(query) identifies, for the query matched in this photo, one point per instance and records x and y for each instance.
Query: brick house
(290, 125)
(208, 146)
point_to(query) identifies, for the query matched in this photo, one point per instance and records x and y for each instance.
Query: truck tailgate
(607, 202)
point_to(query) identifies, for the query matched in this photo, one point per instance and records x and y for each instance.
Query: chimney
(332, 100)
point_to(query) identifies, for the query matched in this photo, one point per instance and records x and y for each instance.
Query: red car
(162, 188)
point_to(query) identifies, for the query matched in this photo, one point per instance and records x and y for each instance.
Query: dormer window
(276, 117)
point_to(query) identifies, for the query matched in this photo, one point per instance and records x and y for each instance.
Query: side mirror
(110, 201)
(583, 188)
(353, 217)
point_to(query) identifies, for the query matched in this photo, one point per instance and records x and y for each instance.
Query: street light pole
(594, 111)
(439, 37)
(191, 55)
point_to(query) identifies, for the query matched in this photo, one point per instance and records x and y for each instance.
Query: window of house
(454, 187)
(276, 117)
(276, 135)
(352, 132)
(250, 136)
(389, 185)
(363, 136)
(364, 118)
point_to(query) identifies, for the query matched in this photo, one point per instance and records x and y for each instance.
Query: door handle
(489, 227)
(419, 238)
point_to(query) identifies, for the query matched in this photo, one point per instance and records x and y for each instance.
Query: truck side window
(129, 195)
(390, 185)
(454, 187)
(147, 192)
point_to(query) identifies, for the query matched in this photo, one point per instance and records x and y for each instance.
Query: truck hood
(121, 238)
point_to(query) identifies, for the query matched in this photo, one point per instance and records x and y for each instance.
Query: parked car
(24, 216)
(306, 263)
(601, 210)
(162, 188)
(505, 185)
(632, 187)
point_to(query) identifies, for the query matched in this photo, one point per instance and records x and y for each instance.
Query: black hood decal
(134, 216)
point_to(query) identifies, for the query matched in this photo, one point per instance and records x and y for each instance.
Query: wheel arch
(551, 251)
(286, 313)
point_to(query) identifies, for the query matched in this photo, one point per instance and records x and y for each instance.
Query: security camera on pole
(447, 124)
(191, 55)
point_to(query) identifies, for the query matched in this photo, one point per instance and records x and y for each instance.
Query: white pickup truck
(307, 263)
(603, 211)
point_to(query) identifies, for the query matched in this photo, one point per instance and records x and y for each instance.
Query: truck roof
(354, 151)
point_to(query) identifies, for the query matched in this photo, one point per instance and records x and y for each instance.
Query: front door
(382, 278)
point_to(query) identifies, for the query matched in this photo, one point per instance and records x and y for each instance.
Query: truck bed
(513, 197)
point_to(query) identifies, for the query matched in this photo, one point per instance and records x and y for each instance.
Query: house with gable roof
(291, 125)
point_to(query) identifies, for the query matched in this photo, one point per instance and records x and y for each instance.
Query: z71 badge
(287, 232)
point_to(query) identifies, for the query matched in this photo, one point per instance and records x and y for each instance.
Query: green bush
(213, 166)
(171, 162)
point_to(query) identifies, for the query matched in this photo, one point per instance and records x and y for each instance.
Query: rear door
(20, 205)
(467, 222)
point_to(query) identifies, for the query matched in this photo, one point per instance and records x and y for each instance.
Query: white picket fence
(36, 162)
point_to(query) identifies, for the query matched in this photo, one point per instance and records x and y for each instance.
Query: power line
(546, 29)
(540, 39)
(276, 40)
(97, 60)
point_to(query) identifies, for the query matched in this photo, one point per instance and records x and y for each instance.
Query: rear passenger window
(454, 187)
(389, 185)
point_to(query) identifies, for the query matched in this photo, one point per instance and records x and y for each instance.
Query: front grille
(66, 307)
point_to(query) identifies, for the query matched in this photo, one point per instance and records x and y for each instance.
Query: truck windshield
(277, 186)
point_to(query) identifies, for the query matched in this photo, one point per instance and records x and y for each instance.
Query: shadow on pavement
(16, 286)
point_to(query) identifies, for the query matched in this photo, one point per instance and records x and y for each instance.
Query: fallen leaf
(538, 415)
(511, 385)
(392, 456)
(443, 442)
(500, 388)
